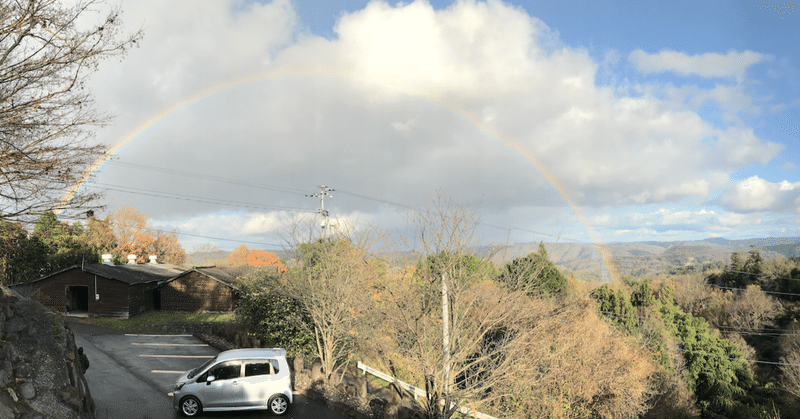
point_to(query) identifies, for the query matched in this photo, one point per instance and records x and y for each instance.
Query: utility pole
(323, 192)
(446, 344)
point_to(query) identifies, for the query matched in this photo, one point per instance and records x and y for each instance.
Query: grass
(140, 323)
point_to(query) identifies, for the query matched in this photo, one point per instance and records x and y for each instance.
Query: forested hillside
(649, 258)
(521, 339)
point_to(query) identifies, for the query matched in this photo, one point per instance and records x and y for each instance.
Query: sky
(572, 121)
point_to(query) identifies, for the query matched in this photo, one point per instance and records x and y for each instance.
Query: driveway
(131, 375)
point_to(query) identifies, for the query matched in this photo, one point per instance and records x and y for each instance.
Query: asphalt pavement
(130, 375)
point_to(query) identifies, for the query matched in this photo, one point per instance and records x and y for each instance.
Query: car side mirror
(210, 379)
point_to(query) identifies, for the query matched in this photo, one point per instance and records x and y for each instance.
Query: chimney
(153, 259)
(107, 259)
(131, 259)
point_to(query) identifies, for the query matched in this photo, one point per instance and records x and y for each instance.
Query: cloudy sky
(579, 120)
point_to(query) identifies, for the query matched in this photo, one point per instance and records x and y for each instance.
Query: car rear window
(254, 368)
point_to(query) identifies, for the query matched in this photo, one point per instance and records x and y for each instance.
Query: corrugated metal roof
(135, 274)
(129, 274)
(227, 274)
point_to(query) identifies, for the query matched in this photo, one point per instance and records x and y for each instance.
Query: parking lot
(131, 375)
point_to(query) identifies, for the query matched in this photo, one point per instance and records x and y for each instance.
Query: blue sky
(568, 120)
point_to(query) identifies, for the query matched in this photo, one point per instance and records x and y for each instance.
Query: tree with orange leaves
(136, 236)
(264, 258)
(239, 256)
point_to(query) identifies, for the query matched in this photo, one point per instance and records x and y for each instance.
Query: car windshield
(194, 372)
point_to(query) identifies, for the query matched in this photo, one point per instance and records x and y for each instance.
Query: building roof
(226, 274)
(129, 274)
(135, 274)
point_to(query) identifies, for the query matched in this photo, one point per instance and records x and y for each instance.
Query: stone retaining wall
(40, 376)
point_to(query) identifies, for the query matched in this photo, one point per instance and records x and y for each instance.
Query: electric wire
(753, 273)
(734, 289)
(184, 197)
(195, 175)
(297, 191)
(722, 328)
(651, 343)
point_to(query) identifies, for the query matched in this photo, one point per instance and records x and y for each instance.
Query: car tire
(190, 406)
(278, 404)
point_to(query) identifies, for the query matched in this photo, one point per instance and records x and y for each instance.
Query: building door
(77, 298)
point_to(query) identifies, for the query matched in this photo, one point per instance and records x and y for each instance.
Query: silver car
(240, 379)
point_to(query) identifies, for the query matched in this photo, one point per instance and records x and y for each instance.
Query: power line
(726, 329)
(734, 289)
(760, 274)
(297, 191)
(184, 197)
(179, 233)
(397, 204)
(650, 343)
(220, 179)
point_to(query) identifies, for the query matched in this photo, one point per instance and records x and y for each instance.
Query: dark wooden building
(211, 289)
(101, 290)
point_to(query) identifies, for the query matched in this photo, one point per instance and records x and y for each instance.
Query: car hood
(183, 378)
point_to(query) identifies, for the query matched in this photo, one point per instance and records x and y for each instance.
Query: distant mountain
(583, 259)
(649, 258)
(205, 258)
(218, 257)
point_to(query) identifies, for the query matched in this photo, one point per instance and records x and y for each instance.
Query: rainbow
(289, 71)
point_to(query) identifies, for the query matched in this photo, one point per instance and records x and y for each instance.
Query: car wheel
(190, 406)
(278, 404)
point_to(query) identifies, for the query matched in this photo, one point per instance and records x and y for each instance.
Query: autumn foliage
(136, 236)
(258, 257)
(241, 255)
(238, 256)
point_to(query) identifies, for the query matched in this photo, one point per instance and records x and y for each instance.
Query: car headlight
(179, 386)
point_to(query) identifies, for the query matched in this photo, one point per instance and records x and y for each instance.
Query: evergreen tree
(534, 273)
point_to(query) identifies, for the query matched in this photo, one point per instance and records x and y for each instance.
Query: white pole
(446, 341)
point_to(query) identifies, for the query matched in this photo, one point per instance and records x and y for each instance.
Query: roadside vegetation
(145, 323)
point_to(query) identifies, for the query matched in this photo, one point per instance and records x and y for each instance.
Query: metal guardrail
(416, 391)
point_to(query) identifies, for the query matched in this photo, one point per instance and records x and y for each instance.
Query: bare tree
(205, 254)
(790, 370)
(47, 114)
(331, 279)
(749, 309)
(452, 318)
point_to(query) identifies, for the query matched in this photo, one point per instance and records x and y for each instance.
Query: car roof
(251, 353)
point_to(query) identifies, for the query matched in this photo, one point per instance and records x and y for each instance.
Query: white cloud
(263, 223)
(757, 194)
(404, 126)
(734, 219)
(711, 64)
(602, 219)
(668, 217)
(488, 92)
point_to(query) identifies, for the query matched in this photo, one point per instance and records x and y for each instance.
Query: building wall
(142, 298)
(115, 296)
(197, 292)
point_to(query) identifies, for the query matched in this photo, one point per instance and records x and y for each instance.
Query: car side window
(226, 370)
(258, 368)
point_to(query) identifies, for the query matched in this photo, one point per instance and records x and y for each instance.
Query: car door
(225, 390)
(259, 381)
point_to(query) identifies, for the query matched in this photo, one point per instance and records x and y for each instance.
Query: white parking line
(133, 334)
(178, 356)
(168, 344)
